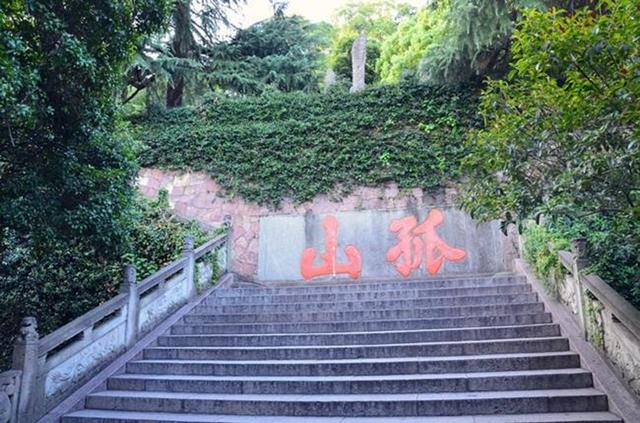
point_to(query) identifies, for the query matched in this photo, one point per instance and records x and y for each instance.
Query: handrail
(159, 276)
(209, 246)
(626, 313)
(47, 369)
(71, 329)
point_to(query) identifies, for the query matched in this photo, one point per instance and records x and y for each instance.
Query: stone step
(335, 352)
(369, 305)
(440, 404)
(366, 315)
(359, 286)
(362, 338)
(363, 366)
(381, 384)
(369, 295)
(109, 416)
(374, 325)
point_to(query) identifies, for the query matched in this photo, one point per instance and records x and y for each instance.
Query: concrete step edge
(342, 305)
(365, 360)
(295, 315)
(381, 332)
(354, 378)
(412, 292)
(143, 417)
(257, 326)
(314, 347)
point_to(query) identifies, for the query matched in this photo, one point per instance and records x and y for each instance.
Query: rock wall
(362, 216)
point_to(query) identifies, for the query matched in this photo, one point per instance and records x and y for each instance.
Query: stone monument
(358, 62)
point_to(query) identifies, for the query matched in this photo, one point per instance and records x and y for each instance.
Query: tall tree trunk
(182, 46)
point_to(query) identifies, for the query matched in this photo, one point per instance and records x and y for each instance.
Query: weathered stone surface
(329, 79)
(284, 238)
(358, 62)
(195, 195)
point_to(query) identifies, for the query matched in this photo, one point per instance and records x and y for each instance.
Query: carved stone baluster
(579, 249)
(130, 287)
(189, 266)
(228, 222)
(26, 359)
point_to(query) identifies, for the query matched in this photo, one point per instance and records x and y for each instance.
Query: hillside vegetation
(298, 145)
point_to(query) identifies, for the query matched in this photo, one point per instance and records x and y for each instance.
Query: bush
(61, 281)
(561, 134)
(298, 145)
(613, 250)
(541, 248)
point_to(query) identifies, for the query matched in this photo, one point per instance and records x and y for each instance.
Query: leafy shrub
(561, 134)
(298, 145)
(613, 250)
(59, 281)
(541, 248)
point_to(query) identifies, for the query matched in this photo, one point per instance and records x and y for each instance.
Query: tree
(67, 174)
(378, 19)
(562, 133)
(281, 52)
(452, 41)
(195, 25)
(402, 51)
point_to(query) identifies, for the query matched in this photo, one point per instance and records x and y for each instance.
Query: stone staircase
(466, 349)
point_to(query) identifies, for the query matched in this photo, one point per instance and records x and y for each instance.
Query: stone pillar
(228, 223)
(130, 287)
(329, 79)
(579, 250)
(189, 265)
(358, 62)
(26, 359)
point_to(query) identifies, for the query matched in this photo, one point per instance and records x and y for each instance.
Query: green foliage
(470, 41)
(562, 130)
(281, 52)
(402, 51)
(613, 249)
(562, 133)
(452, 41)
(299, 145)
(157, 235)
(174, 61)
(65, 165)
(541, 248)
(378, 19)
(61, 280)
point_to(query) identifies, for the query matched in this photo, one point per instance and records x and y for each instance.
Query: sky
(313, 10)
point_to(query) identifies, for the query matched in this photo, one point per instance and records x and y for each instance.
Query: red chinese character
(418, 241)
(329, 265)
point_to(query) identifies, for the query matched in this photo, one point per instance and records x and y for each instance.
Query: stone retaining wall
(197, 196)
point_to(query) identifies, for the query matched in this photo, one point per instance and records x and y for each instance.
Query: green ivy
(298, 145)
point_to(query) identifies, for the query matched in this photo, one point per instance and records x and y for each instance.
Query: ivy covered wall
(297, 145)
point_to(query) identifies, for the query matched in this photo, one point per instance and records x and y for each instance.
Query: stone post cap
(129, 275)
(188, 244)
(28, 329)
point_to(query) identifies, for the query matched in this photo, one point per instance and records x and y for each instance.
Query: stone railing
(49, 369)
(607, 320)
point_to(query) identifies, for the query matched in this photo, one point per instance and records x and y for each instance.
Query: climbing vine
(298, 145)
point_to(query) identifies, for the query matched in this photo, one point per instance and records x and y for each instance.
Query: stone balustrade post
(579, 250)
(130, 287)
(189, 265)
(26, 360)
(228, 222)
